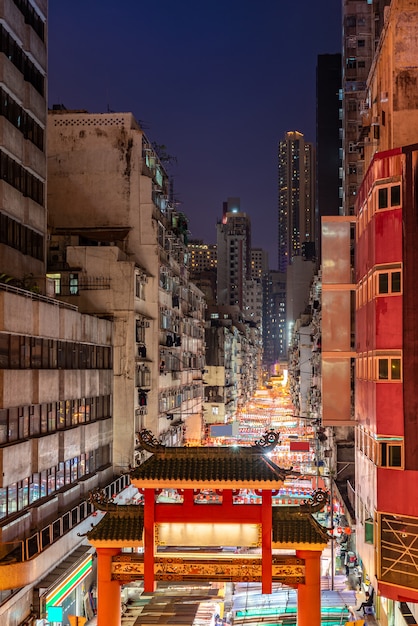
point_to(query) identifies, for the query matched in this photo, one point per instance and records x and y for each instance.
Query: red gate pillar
(266, 541)
(108, 590)
(309, 594)
(149, 520)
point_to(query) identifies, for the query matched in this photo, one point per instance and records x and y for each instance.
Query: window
(390, 454)
(383, 198)
(389, 282)
(388, 197)
(369, 530)
(389, 368)
(73, 284)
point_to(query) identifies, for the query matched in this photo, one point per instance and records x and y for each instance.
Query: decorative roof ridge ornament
(101, 502)
(319, 499)
(149, 442)
(268, 441)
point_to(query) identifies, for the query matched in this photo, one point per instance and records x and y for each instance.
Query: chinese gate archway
(208, 484)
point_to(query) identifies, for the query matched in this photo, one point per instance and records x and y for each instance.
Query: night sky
(218, 83)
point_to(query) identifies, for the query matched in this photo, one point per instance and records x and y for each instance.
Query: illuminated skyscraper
(296, 199)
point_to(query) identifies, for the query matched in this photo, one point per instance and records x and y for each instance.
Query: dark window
(395, 195)
(395, 456)
(383, 283)
(31, 17)
(17, 116)
(4, 350)
(383, 369)
(396, 282)
(17, 176)
(383, 198)
(14, 53)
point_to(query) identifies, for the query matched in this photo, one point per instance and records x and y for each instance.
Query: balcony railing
(25, 549)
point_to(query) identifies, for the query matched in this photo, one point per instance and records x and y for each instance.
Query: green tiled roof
(292, 526)
(203, 464)
(121, 526)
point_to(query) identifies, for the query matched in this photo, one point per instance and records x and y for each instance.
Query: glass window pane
(23, 494)
(12, 498)
(3, 425)
(35, 419)
(60, 476)
(34, 489)
(13, 424)
(4, 350)
(395, 195)
(383, 453)
(383, 369)
(44, 418)
(3, 502)
(383, 198)
(368, 531)
(396, 282)
(395, 456)
(395, 369)
(44, 483)
(383, 283)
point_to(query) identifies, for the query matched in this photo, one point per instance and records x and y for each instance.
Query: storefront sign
(56, 597)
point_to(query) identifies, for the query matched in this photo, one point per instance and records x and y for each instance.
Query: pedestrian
(368, 602)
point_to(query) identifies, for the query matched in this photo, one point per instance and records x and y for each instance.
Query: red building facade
(386, 404)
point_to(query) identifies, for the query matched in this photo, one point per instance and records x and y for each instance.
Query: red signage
(299, 446)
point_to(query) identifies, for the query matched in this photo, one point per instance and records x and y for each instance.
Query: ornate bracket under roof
(268, 441)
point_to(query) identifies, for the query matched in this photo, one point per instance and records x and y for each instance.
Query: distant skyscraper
(274, 319)
(259, 263)
(328, 141)
(296, 199)
(234, 255)
(203, 256)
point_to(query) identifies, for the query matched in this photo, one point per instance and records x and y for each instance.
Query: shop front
(70, 594)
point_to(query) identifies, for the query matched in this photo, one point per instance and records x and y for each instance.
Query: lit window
(389, 368)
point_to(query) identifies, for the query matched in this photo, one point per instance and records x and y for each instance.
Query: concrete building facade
(108, 198)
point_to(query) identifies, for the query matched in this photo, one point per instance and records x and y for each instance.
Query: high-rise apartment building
(362, 24)
(55, 364)
(23, 113)
(379, 389)
(122, 253)
(234, 255)
(203, 256)
(296, 186)
(386, 329)
(274, 319)
(259, 262)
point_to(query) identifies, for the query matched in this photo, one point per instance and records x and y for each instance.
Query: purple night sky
(218, 83)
